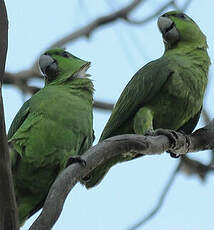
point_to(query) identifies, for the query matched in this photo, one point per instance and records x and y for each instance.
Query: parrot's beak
(168, 29)
(45, 62)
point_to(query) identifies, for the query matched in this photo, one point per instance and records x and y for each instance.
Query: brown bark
(130, 144)
(8, 216)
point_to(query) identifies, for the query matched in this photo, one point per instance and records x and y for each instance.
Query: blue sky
(117, 51)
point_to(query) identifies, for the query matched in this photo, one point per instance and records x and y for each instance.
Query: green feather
(19, 119)
(165, 93)
(52, 126)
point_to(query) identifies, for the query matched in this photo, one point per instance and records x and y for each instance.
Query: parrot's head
(58, 65)
(179, 29)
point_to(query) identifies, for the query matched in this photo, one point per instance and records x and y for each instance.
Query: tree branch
(205, 116)
(195, 167)
(187, 165)
(21, 78)
(161, 200)
(119, 145)
(87, 30)
(103, 105)
(159, 11)
(21, 82)
(186, 5)
(154, 15)
(8, 214)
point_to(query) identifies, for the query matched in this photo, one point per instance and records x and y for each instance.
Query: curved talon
(188, 142)
(149, 133)
(76, 159)
(86, 178)
(173, 155)
(171, 134)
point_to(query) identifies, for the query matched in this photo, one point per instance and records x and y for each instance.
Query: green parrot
(54, 126)
(166, 93)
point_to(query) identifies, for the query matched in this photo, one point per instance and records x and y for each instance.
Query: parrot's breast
(180, 99)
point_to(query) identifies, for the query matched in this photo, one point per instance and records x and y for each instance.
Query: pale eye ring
(66, 55)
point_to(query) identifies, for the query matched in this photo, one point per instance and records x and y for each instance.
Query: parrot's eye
(66, 55)
(182, 16)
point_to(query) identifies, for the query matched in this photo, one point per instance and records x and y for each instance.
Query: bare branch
(186, 5)
(154, 15)
(159, 11)
(87, 30)
(187, 165)
(21, 78)
(194, 167)
(21, 82)
(183, 8)
(119, 145)
(103, 105)
(161, 200)
(8, 214)
(206, 116)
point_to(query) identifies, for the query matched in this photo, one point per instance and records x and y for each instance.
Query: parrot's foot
(150, 132)
(171, 134)
(188, 141)
(86, 178)
(76, 159)
(173, 155)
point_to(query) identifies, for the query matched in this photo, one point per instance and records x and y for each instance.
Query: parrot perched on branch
(52, 127)
(166, 93)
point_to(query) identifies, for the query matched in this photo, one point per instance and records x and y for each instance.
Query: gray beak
(44, 62)
(168, 30)
(164, 23)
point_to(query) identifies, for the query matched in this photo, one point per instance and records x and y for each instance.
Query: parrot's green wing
(189, 126)
(144, 85)
(19, 119)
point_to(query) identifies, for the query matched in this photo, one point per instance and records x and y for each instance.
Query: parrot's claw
(150, 132)
(173, 155)
(86, 178)
(76, 159)
(171, 134)
(188, 141)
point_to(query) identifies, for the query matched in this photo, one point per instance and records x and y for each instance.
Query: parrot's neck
(82, 84)
(196, 53)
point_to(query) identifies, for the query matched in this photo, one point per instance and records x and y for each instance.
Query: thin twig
(159, 11)
(84, 31)
(206, 116)
(21, 82)
(87, 30)
(103, 105)
(161, 200)
(154, 15)
(21, 78)
(186, 5)
(194, 167)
